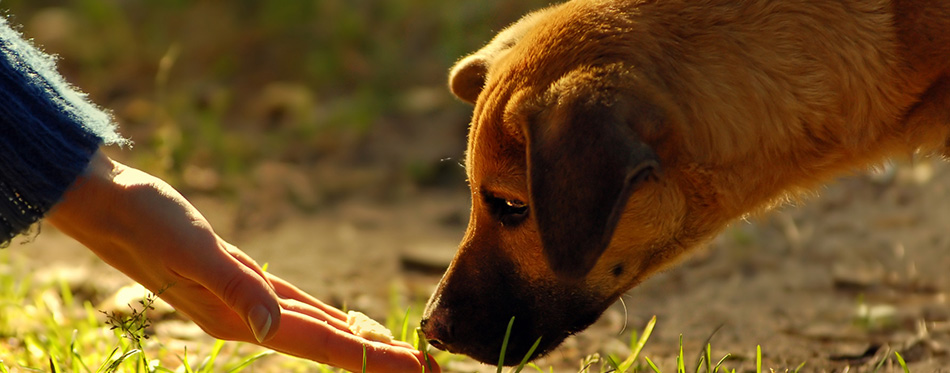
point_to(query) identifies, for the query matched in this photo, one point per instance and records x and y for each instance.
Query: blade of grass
(65, 292)
(703, 351)
(249, 361)
(900, 360)
(626, 364)
(405, 325)
(652, 366)
(707, 356)
(364, 359)
(719, 364)
(423, 347)
(881, 363)
(614, 366)
(208, 366)
(504, 345)
(524, 360)
(92, 315)
(537, 368)
(184, 361)
(77, 357)
(680, 364)
(799, 367)
(102, 367)
(114, 364)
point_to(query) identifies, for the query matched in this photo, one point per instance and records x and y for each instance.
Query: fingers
(303, 333)
(308, 327)
(302, 336)
(286, 290)
(323, 312)
(315, 312)
(296, 300)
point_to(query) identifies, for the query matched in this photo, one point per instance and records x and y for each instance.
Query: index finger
(302, 336)
(287, 290)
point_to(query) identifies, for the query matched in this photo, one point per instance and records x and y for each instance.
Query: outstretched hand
(143, 227)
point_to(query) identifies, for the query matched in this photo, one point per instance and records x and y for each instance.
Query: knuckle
(232, 290)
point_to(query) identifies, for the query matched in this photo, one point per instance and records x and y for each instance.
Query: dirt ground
(838, 282)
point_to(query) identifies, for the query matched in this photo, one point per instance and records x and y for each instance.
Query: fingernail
(260, 320)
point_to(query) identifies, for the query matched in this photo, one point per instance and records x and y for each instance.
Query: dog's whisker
(707, 342)
(624, 304)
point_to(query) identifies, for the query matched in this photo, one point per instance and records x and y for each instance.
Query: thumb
(263, 322)
(242, 285)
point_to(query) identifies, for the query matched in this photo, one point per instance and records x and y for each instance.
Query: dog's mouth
(480, 296)
(480, 333)
(519, 348)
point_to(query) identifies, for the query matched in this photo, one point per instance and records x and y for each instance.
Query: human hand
(143, 227)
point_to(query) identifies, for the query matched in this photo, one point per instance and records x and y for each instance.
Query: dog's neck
(767, 114)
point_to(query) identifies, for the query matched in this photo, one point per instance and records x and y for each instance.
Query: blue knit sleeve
(48, 133)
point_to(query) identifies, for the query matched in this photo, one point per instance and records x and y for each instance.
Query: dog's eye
(509, 212)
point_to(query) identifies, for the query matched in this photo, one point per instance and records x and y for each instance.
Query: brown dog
(610, 137)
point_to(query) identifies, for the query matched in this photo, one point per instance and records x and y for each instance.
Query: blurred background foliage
(317, 99)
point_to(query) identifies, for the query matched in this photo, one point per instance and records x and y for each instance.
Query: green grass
(48, 328)
(632, 364)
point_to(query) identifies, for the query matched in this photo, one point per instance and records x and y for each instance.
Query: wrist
(86, 210)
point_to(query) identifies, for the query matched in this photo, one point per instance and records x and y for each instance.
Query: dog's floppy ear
(467, 78)
(583, 163)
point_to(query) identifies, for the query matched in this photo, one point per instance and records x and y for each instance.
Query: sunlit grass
(48, 328)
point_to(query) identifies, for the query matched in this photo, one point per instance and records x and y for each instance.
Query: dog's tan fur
(742, 105)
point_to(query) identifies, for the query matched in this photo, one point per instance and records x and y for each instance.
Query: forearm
(117, 211)
(143, 227)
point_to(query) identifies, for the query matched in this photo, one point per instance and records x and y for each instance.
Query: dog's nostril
(436, 333)
(437, 344)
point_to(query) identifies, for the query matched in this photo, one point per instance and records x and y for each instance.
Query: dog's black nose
(437, 332)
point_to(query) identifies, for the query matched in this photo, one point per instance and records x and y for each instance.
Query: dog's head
(571, 204)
